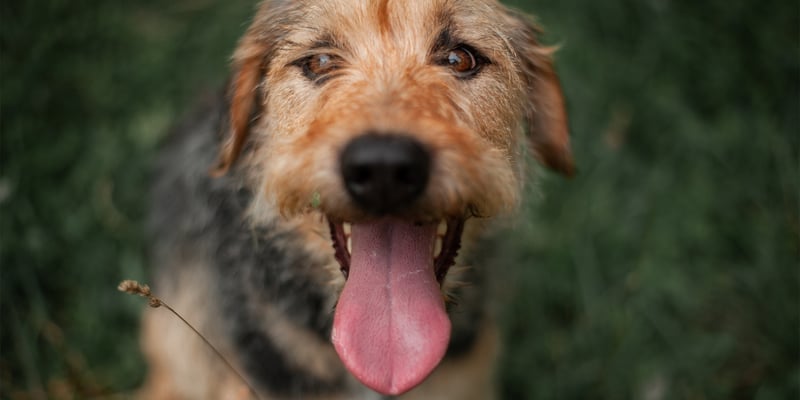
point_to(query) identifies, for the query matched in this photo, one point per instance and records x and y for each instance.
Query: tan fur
(181, 365)
(286, 135)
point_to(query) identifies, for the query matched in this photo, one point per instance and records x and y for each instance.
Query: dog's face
(397, 121)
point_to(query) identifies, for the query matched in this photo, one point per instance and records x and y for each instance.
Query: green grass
(667, 268)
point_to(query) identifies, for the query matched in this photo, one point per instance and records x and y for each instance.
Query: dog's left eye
(463, 61)
(317, 65)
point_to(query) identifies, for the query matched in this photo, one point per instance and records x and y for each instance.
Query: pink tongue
(390, 327)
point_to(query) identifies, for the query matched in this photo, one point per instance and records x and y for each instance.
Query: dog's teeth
(349, 245)
(437, 248)
(347, 227)
(442, 228)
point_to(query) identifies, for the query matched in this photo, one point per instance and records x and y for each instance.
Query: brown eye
(463, 61)
(317, 65)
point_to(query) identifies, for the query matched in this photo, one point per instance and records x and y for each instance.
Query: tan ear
(248, 64)
(545, 114)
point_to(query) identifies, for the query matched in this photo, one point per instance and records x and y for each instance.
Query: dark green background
(666, 269)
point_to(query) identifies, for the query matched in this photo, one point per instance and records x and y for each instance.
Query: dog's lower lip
(446, 247)
(339, 239)
(451, 244)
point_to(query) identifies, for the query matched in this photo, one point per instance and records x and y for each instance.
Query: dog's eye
(463, 61)
(318, 65)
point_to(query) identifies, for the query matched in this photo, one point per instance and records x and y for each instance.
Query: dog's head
(397, 121)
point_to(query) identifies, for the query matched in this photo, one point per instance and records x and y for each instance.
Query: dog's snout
(384, 172)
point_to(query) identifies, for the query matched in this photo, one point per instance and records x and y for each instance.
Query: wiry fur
(245, 253)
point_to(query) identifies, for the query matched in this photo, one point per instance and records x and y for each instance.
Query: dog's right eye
(464, 61)
(318, 65)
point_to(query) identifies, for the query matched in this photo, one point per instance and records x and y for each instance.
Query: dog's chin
(391, 327)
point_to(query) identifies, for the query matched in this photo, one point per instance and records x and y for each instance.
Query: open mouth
(390, 327)
(445, 250)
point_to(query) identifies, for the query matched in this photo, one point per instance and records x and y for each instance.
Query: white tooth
(349, 245)
(437, 248)
(347, 227)
(442, 228)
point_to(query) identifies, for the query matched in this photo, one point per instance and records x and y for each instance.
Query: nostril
(410, 175)
(404, 176)
(360, 174)
(383, 172)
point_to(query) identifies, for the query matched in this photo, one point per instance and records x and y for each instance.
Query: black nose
(384, 172)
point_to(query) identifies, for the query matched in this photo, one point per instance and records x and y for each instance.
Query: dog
(362, 149)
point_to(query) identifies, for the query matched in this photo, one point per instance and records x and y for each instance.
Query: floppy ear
(545, 115)
(248, 65)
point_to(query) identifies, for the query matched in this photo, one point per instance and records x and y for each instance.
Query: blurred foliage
(666, 269)
(88, 89)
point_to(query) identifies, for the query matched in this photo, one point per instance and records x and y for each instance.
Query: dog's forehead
(409, 25)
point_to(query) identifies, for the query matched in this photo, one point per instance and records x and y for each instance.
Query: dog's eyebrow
(321, 44)
(444, 40)
(328, 40)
